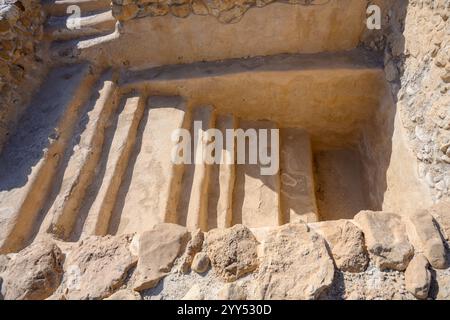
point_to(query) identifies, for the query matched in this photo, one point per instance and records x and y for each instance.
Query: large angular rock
(295, 264)
(232, 252)
(34, 273)
(441, 212)
(386, 239)
(97, 267)
(418, 277)
(425, 237)
(346, 242)
(443, 284)
(158, 249)
(125, 294)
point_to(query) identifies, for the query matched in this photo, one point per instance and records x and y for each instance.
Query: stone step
(84, 158)
(193, 203)
(60, 7)
(256, 198)
(151, 191)
(32, 156)
(68, 51)
(222, 176)
(60, 28)
(116, 160)
(298, 199)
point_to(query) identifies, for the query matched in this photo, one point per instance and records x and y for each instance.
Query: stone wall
(20, 33)
(226, 11)
(415, 42)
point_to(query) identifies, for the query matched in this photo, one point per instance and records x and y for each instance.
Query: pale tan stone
(96, 267)
(232, 252)
(418, 277)
(295, 264)
(200, 263)
(386, 239)
(346, 242)
(425, 237)
(124, 294)
(158, 249)
(232, 291)
(34, 273)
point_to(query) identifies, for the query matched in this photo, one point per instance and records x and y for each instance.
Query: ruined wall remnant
(20, 32)
(228, 11)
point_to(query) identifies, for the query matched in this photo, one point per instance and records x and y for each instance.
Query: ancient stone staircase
(93, 154)
(96, 21)
(89, 160)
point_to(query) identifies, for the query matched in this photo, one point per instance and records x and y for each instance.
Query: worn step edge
(21, 225)
(97, 222)
(64, 211)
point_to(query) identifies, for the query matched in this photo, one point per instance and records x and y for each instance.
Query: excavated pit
(101, 163)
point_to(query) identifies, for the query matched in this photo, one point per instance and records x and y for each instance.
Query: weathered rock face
(225, 11)
(425, 237)
(346, 242)
(34, 273)
(97, 267)
(418, 277)
(386, 239)
(232, 252)
(295, 264)
(20, 32)
(441, 212)
(124, 294)
(158, 249)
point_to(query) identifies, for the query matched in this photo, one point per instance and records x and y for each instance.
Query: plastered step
(82, 161)
(222, 176)
(67, 51)
(256, 197)
(60, 28)
(31, 159)
(100, 202)
(192, 208)
(150, 191)
(298, 200)
(59, 7)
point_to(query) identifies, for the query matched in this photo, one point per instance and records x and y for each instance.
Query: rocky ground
(377, 255)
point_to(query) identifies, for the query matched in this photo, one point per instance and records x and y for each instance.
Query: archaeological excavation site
(354, 96)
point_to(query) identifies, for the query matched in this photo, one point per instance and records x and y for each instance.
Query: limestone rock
(125, 12)
(4, 260)
(346, 242)
(198, 7)
(443, 285)
(194, 293)
(232, 251)
(295, 264)
(180, 11)
(158, 249)
(200, 263)
(97, 267)
(34, 273)
(425, 237)
(441, 212)
(194, 245)
(386, 239)
(125, 294)
(232, 291)
(418, 277)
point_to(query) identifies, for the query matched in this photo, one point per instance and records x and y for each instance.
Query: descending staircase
(101, 163)
(96, 22)
(93, 154)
